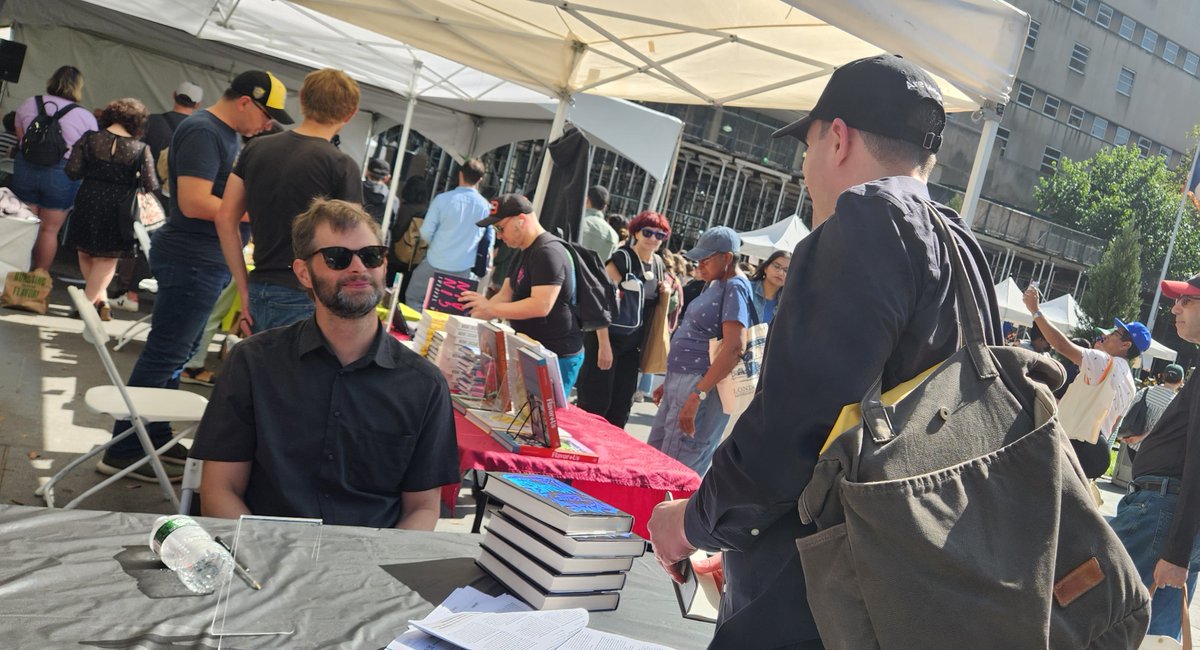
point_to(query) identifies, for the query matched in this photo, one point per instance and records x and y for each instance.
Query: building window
(1149, 40)
(1143, 145)
(1125, 81)
(1050, 160)
(1166, 153)
(1079, 58)
(1104, 15)
(1079, 7)
(1050, 106)
(1170, 52)
(1031, 38)
(1075, 118)
(1002, 140)
(1099, 127)
(1025, 95)
(1121, 138)
(1127, 27)
(1190, 62)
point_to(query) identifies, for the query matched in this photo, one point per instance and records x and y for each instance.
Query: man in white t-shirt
(1102, 391)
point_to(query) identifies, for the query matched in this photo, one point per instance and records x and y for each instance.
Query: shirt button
(337, 414)
(326, 495)
(754, 531)
(329, 456)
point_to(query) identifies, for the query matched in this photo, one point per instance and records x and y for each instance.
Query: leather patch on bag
(1078, 582)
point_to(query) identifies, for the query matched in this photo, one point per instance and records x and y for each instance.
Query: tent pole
(676, 188)
(556, 131)
(1171, 245)
(662, 190)
(367, 147)
(400, 149)
(508, 161)
(983, 153)
(779, 201)
(712, 215)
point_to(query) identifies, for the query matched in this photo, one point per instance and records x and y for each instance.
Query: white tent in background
(1012, 306)
(783, 235)
(1063, 312)
(1158, 351)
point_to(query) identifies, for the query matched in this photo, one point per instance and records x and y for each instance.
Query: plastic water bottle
(187, 549)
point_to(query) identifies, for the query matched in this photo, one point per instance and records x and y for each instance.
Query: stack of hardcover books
(555, 547)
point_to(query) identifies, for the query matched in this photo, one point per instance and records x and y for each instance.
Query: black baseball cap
(882, 94)
(378, 167)
(505, 206)
(266, 90)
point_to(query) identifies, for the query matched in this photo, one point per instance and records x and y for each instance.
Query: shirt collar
(381, 353)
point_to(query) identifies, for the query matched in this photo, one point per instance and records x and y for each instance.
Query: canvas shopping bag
(954, 514)
(737, 388)
(410, 248)
(27, 291)
(657, 343)
(1164, 642)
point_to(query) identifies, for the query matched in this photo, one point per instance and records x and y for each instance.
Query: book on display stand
(443, 293)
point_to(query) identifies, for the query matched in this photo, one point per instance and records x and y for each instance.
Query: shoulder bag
(954, 514)
(737, 388)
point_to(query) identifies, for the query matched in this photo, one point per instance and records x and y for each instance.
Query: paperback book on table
(494, 366)
(556, 504)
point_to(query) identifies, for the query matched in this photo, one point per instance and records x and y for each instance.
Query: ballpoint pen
(238, 567)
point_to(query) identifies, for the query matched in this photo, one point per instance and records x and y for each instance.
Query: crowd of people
(321, 413)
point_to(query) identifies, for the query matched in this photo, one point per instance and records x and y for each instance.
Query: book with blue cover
(557, 504)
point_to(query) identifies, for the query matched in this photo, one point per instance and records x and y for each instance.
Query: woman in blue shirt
(767, 281)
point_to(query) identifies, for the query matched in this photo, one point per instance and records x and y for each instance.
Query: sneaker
(123, 303)
(104, 311)
(198, 376)
(176, 454)
(110, 465)
(639, 397)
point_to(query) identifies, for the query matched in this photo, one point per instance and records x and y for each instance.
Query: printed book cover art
(444, 292)
(513, 344)
(560, 495)
(494, 365)
(543, 419)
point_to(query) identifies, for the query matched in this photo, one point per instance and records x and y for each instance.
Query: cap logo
(495, 207)
(258, 92)
(922, 87)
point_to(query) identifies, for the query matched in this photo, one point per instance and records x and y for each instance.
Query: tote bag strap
(1187, 624)
(874, 413)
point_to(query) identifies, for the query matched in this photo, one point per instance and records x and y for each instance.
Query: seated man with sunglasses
(330, 417)
(1102, 391)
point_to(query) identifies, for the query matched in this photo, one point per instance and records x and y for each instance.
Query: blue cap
(721, 239)
(1137, 332)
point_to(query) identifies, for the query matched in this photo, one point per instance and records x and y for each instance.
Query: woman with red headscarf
(609, 376)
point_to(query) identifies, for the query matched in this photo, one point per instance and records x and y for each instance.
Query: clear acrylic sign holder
(281, 553)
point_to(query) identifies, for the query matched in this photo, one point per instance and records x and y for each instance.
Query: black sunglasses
(339, 257)
(657, 234)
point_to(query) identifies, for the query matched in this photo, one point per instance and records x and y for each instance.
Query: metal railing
(1035, 233)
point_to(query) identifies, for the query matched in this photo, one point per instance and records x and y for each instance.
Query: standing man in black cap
(868, 294)
(375, 190)
(186, 257)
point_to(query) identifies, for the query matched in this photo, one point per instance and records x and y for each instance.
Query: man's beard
(343, 304)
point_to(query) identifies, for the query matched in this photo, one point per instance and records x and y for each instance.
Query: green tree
(1117, 188)
(1113, 288)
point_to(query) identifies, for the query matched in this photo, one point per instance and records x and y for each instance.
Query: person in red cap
(1158, 521)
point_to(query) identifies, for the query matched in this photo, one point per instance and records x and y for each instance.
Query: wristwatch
(1038, 314)
(702, 394)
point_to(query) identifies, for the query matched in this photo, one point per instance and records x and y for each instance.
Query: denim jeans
(47, 187)
(694, 451)
(186, 295)
(274, 305)
(1142, 523)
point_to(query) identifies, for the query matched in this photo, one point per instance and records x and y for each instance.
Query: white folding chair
(190, 485)
(149, 285)
(141, 406)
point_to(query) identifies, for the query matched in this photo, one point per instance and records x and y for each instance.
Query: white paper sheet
(463, 599)
(508, 631)
(589, 639)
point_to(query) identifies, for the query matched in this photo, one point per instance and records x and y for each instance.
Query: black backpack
(43, 143)
(595, 298)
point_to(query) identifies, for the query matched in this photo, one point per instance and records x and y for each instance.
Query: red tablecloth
(631, 475)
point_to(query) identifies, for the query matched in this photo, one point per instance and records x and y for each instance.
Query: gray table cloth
(86, 579)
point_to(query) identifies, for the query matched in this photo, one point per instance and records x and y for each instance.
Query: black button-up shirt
(338, 443)
(868, 293)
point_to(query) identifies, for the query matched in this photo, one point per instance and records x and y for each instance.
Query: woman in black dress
(113, 163)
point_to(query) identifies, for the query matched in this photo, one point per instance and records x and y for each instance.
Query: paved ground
(47, 367)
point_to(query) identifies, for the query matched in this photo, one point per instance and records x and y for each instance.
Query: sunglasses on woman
(339, 257)
(657, 234)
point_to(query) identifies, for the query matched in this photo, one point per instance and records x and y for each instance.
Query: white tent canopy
(1158, 351)
(1063, 312)
(462, 110)
(1012, 306)
(762, 53)
(783, 235)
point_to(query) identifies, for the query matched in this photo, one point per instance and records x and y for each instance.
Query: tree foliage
(1113, 289)
(1116, 189)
